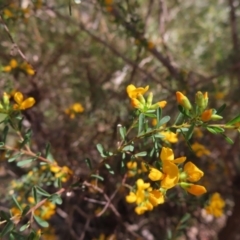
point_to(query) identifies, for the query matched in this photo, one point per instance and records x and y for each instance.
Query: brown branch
(233, 23)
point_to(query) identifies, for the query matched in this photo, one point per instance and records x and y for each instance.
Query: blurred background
(86, 52)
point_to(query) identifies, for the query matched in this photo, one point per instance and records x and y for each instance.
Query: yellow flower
(27, 68)
(47, 210)
(7, 13)
(219, 95)
(13, 63)
(193, 172)
(154, 121)
(171, 175)
(132, 169)
(216, 205)
(131, 198)
(150, 45)
(199, 149)
(170, 136)
(155, 174)
(73, 109)
(21, 103)
(156, 197)
(133, 92)
(168, 155)
(77, 107)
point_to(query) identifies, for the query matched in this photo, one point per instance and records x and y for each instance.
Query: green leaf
(55, 198)
(1, 144)
(14, 157)
(234, 120)
(25, 162)
(185, 218)
(128, 148)
(34, 193)
(41, 222)
(183, 111)
(164, 120)
(99, 148)
(16, 203)
(24, 227)
(18, 236)
(109, 168)
(5, 132)
(150, 115)
(8, 228)
(228, 139)
(140, 154)
(122, 131)
(221, 109)
(25, 210)
(180, 119)
(98, 177)
(26, 139)
(140, 123)
(88, 162)
(159, 115)
(190, 131)
(48, 147)
(211, 130)
(42, 192)
(215, 130)
(20, 124)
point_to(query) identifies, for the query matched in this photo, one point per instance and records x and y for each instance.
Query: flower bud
(149, 99)
(141, 98)
(183, 101)
(136, 103)
(6, 99)
(205, 95)
(206, 115)
(196, 190)
(216, 117)
(161, 104)
(201, 100)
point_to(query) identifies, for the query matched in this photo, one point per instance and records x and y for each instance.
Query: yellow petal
(162, 104)
(196, 190)
(13, 63)
(7, 69)
(29, 102)
(171, 175)
(140, 210)
(179, 160)
(18, 97)
(155, 175)
(136, 103)
(193, 172)
(141, 185)
(131, 198)
(167, 154)
(133, 92)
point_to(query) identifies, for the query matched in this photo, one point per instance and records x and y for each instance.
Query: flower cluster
(14, 66)
(200, 149)
(74, 109)
(139, 102)
(167, 177)
(216, 205)
(21, 103)
(145, 197)
(201, 103)
(170, 175)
